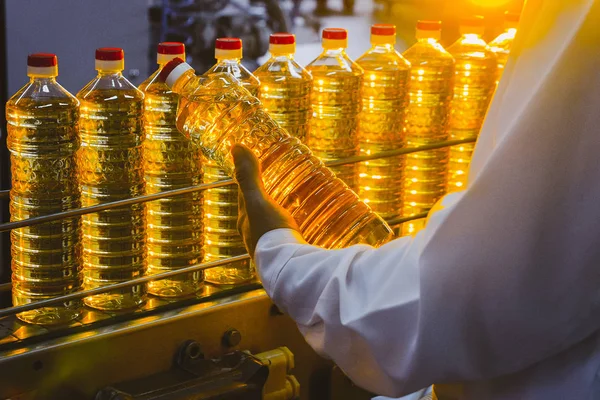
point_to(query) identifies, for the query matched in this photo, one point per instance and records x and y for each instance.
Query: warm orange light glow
(490, 3)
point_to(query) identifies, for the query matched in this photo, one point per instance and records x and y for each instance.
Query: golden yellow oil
(46, 258)
(431, 88)
(110, 169)
(328, 213)
(174, 225)
(222, 239)
(384, 99)
(474, 85)
(285, 93)
(336, 103)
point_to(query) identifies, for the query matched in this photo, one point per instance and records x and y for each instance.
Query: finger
(247, 169)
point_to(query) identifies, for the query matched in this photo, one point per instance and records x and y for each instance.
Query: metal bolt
(232, 338)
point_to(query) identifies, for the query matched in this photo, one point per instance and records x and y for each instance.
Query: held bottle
(42, 138)
(336, 103)
(384, 101)
(285, 87)
(474, 85)
(502, 44)
(222, 239)
(171, 161)
(219, 112)
(110, 169)
(431, 88)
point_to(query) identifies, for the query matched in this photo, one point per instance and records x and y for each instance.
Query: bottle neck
(383, 47)
(334, 50)
(275, 54)
(429, 40)
(228, 60)
(113, 73)
(42, 79)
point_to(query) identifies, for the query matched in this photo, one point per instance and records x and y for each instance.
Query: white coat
(501, 290)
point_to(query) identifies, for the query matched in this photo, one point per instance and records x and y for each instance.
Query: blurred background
(73, 29)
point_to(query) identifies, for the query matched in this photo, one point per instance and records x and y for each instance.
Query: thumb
(247, 169)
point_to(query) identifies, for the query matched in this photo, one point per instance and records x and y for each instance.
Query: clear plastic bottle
(110, 169)
(219, 113)
(171, 161)
(42, 138)
(431, 88)
(474, 86)
(222, 239)
(285, 87)
(384, 102)
(336, 103)
(502, 44)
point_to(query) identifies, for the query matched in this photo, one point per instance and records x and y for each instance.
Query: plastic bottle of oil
(219, 113)
(42, 139)
(336, 103)
(474, 86)
(384, 100)
(110, 169)
(502, 44)
(285, 87)
(222, 239)
(171, 161)
(431, 88)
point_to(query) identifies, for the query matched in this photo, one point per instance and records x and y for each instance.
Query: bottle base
(171, 288)
(50, 315)
(231, 275)
(115, 302)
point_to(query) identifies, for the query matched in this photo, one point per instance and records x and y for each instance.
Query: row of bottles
(114, 141)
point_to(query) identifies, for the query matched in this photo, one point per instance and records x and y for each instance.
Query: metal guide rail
(14, 333)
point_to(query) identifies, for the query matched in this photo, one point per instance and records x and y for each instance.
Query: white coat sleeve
(507, 272)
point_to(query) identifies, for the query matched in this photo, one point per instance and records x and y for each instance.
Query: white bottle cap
(173, 70)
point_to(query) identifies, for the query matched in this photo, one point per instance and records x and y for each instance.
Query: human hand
(258, 213)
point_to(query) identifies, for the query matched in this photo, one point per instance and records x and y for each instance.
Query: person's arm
(505, 273)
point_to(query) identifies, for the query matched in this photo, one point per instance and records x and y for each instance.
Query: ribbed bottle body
(382, 125)
(336, 103)
(328, 213)
(222, 238)
(284, 92)
(427, 122)
(174, 225)
(111, 169)
(474, 86)
(46, 258)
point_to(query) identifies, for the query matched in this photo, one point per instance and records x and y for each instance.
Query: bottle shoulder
(282, 67)
(336, 62)
(383, 59)
(105, 87)
(467, 49)
(153, 86)
(237, 70)
(36, 92)
(426, 52)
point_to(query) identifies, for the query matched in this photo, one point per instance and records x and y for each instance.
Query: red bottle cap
(109, 54)
(335, 33)
(383, 29)
(282, 38)
(42, 60)
(171, 48)
(429, 25)
(475, 21)
(512, 17)
(168, 68)
(228, 43)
